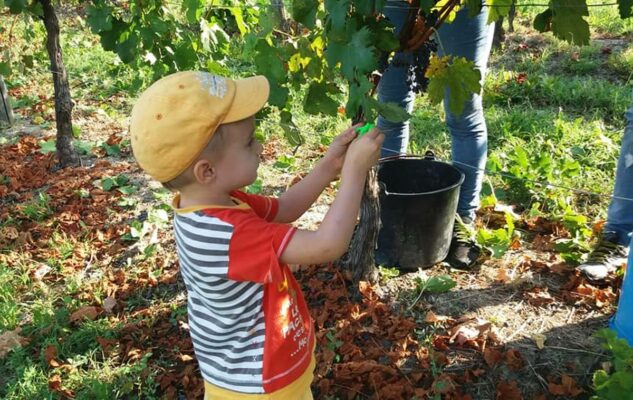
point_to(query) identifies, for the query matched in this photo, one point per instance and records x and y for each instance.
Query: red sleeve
(255, 247)
(264, 207)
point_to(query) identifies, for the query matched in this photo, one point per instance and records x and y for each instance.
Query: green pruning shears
(364, 129)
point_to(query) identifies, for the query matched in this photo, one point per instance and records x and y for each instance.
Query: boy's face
(241, 154)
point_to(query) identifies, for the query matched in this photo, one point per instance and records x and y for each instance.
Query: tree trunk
(511, 16)
(281, 17)
(63, 103)
(6, 113)
(499, 35)
(359, 260)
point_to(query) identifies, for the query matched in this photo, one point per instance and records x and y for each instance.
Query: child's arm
(332, 238)
(298, 198)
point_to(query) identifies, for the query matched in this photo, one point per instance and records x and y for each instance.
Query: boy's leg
(470, 38)
(611, 250)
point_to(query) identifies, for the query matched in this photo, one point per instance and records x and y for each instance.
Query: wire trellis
(497, 173)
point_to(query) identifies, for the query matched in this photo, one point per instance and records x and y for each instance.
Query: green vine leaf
(391, 111)
(193, 10)
(356, 55)
(318, 101)
(456, 74)
(568, 22)
(474, 7)
(239, 20)
(498, 9)
(543, 21)
(626, 8)
(291, 131)
(99, 18)
(16, 6)
(213, 36)
(337, 14)
(128, 48)
(357, 98)
(268, 61)
(304, 12)
(369, 8)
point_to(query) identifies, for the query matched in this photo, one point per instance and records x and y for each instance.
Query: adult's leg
(611, 250)
(393, 87)
(470, 38)
(620, 214)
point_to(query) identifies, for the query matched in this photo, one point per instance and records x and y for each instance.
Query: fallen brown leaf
(8, 234)
(10, 340)
(597, 227)
(502, 275)
(542, 242)
(567, 387)
(50, 355)
(473, 331)
(86, 312)
(514, 360)
(508, 390)
(539, 297)
(359, 368)
(492, 356)
(432, 318)
(106, 344)
(366, 289)
(55, 383)
(444, 384)
(108, 304)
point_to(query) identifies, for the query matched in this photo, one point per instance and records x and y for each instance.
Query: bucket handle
(428, 155)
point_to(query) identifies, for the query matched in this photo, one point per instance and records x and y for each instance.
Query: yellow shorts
(297, 390)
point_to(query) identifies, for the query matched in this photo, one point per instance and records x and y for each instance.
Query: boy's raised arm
(332, 238)
(300, 197)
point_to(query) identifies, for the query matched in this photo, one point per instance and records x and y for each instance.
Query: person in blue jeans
(469, 37)
(611, 250)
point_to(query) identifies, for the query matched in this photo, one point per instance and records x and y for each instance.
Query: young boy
(249, 323)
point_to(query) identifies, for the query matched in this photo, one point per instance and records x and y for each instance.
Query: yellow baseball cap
(175, 118)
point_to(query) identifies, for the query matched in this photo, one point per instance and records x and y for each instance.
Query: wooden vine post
(66, 153)
(359, 262)
(44, 10)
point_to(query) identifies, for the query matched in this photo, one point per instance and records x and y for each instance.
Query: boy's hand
(364, 152)
(335, 155)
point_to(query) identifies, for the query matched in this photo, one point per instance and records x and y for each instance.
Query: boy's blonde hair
(212, 151)
(177, 117)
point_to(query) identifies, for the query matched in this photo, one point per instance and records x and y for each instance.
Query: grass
(543, 93)
(10, 282)
(565, 114)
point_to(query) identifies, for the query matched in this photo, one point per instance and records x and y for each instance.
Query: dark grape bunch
(417, 68)
(416, 61)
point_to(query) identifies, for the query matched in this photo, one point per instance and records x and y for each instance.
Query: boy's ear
(203, 171)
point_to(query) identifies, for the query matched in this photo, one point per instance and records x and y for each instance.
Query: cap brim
(251, 94)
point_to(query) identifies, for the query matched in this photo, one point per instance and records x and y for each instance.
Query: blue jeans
(466, 37)
(620, 215)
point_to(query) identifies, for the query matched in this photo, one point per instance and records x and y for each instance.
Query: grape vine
(329, 52)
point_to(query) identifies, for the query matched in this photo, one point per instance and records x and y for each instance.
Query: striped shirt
(249, 324)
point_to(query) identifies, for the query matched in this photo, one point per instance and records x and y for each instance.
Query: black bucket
(418, 201)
